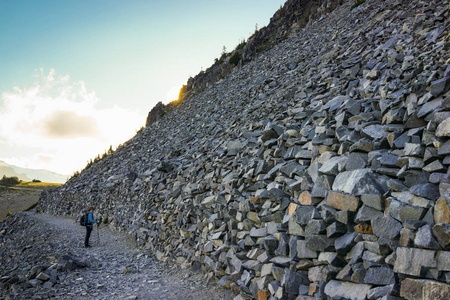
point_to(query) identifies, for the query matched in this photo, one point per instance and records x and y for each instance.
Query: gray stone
(294, 228)
(444, 149)
(319, 242)
(380, 292)
(416, 178)
(328, 213)
(358, 182)
(363, 145)
(359, 272)
(270, 244)
(346, 242)
(396, 185)
(412, 261)
(336, 229)
(258, 232)
(292, 280)
(334, 165)
(443, 260)
(429, 107)
(403, 212)
(366, 213)
(345, 217)
(442, 233)
(281, 260)
(277, 195)
(443, 130)
(315, 227)
(435, 166)
(386, 227)
(303, 251)
(292, 168)
(413, 149)
(269, 135)
(424, 238)
(375, 132)
(266, 269)
(356, 161)
(427, 190)
(43, 276)
(283, 245)
(389, 160)
(293, 247)
(252, 265)
(306, 213)
(275, 289)
(319, 189)
(380, 276)
(346, 290)
(401, 141)
(373, 200)
(319, 273)
(440, 86)
(411, 199)
(236, 263)
(414, 224)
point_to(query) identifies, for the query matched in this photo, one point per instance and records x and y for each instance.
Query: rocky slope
(319, 169)
(294, 14)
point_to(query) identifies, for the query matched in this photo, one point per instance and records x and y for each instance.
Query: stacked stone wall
(319, 169)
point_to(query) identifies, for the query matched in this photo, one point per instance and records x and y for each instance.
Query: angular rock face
(156, 113)
(322, 164)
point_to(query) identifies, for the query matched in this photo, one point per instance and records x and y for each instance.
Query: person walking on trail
(89, 226)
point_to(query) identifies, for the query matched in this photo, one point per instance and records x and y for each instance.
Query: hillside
(319, 168)
(30, 174)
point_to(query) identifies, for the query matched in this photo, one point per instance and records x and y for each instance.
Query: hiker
(89, 226)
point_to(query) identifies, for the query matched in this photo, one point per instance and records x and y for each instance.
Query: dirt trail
(116, 269)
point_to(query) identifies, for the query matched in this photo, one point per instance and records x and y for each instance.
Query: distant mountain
(30, 174)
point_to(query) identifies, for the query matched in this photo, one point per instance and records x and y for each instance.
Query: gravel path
(36, 243)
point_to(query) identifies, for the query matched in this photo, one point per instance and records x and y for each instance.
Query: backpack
(84, 219)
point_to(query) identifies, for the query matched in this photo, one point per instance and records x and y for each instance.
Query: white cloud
(56, 124)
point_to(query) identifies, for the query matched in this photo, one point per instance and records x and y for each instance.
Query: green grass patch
(37, 185)
(14, 182)
(357, 3)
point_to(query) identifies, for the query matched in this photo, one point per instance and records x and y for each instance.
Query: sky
(80, 76)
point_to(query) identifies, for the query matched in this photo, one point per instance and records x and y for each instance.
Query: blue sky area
(64, 63)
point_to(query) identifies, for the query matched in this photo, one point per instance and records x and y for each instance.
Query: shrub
(240, 46)
(357, 3)
(9, 181)
(235, 58)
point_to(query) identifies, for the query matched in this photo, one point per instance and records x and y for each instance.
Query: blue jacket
(90, 219)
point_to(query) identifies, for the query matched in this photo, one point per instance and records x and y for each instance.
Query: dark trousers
(88, 234)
